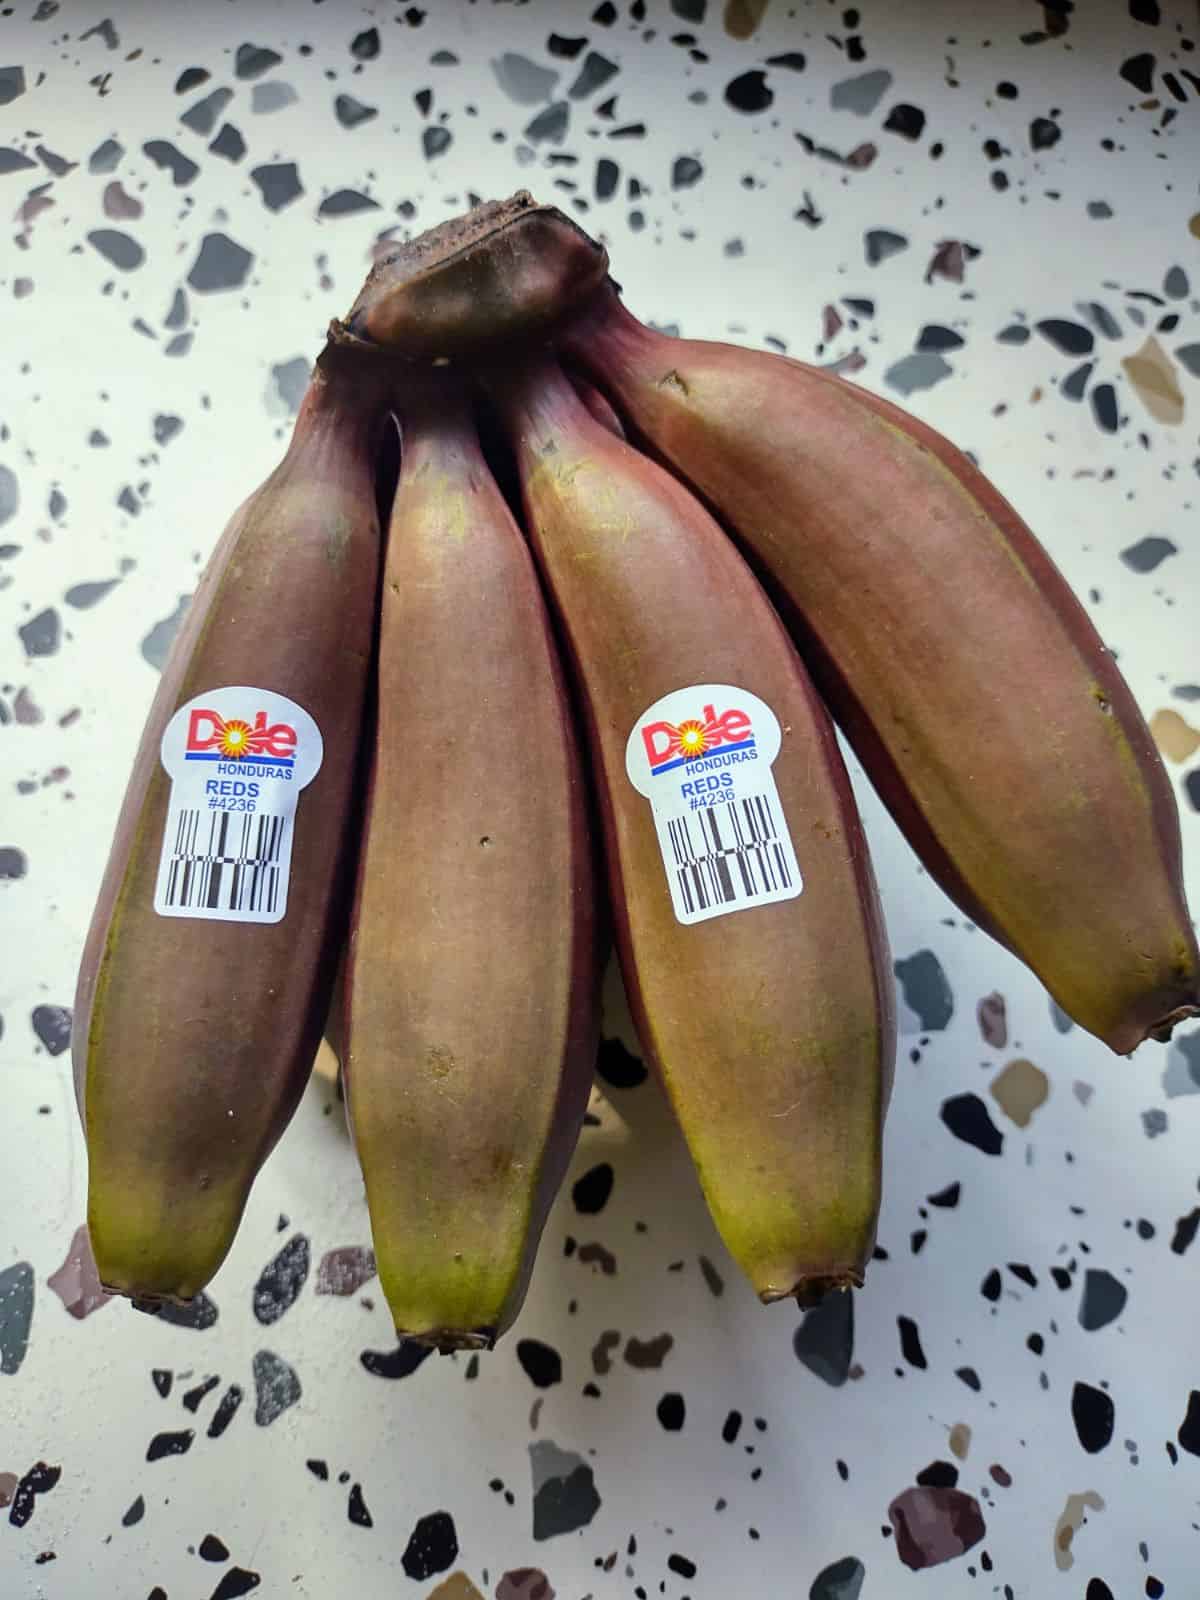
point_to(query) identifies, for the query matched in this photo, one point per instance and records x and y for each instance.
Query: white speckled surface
(1099, 229)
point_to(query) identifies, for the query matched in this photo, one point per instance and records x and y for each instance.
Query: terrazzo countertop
(989, 213)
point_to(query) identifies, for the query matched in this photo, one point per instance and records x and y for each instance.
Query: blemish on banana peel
(440, 1061)
(673, 380)
(337, 541)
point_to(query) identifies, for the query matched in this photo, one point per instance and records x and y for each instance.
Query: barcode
(734, 854)
(233, 865)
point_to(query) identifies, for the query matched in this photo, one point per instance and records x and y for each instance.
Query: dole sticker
(238, 759)
(702, 756)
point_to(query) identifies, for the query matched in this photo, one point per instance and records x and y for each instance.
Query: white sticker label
(702, 756)
(238, 759)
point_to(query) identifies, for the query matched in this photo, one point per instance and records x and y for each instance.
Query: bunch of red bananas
(624, 579)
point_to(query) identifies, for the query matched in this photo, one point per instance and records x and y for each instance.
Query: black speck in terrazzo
(590, 1193)
(226, 1410)
(967, 1118)
(202, 118)
(714, 1280)
(16, 1314)
(647, 1355)
(1139, 71)
(435, 142)
(617, 1067)
(175, 1443)
(685, 172)
(52, 1024)
(605, 14)
(910, 1343)
(229, 143)
(1189, 1428)
(235, 1583)
(40, 1479)
(252, 60)
(1071, 338)
(841, 1580)
(432, 1546)
(938, 1475)
(935, 337)
(731, 1427)
(191, 78)
(200, 1313)
(398, 1363)
(135, 1513)
(1074, 385)
(906, 120)
(1104, 407)
(365, 46)
(157, 643)
(542, 1365)
(162, 1380)
(278, 183)
(861, 94)
(1025, 1273)
(564, 1490)
(1185, 1232)
(347, 202)
(1043, 133)
(356, 1508)
(281, 1281)
(749, 92)
(681, 1565)
(992, 1286)
(947, 1198)
(690, 10)
(824, 1341)
(1148, 553)
(880, 243)
(212, 1549)
(221, 264)
(1103, 1300)
(193, 1398)
(1015, 333)
(1094, 1416)
(276, 1387)
(117, 248)
(671, 1412)
(352, 113)
(165, 155)
(318, 1468)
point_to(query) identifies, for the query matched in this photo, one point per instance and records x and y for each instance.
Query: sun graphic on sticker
(235, 738)
(692, 739)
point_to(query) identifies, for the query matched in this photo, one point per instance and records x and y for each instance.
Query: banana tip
(1162, 1031)
(811, 1288)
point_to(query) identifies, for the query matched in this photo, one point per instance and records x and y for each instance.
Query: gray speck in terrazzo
(203, 117)
(166, 426)
(861, 94)
(921, 370)
(1188, 356)
(14, 161)
(157, 643)
(16, 1315)
(281, 1280)
(165, 155)
(228, 143)
(12, 84)
(523, 80)
(564, 1490)
(550, 125)
(1154, 1122)
(684, 173)
(83, 596)
(843, 1580)
(10, 497)
(1103, 1300)
(176, 317)
(265, 97)
(1101, 318)
(106, 157)
(824, 1341)
(926, 990)
(436, 141)
(106, 31)
(42, 634)
(289, 380)
(13, 863)
(1175, 284)
(276, 1387)
(596, 71)
(1182, 1072)
(1148, 553)
(179, 345)
(120, 206)
(117, 248)
(52, 1024)
(278, 184)
(221, 264)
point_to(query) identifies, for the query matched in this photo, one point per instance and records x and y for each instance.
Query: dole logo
(212, 737)
(670, 744)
